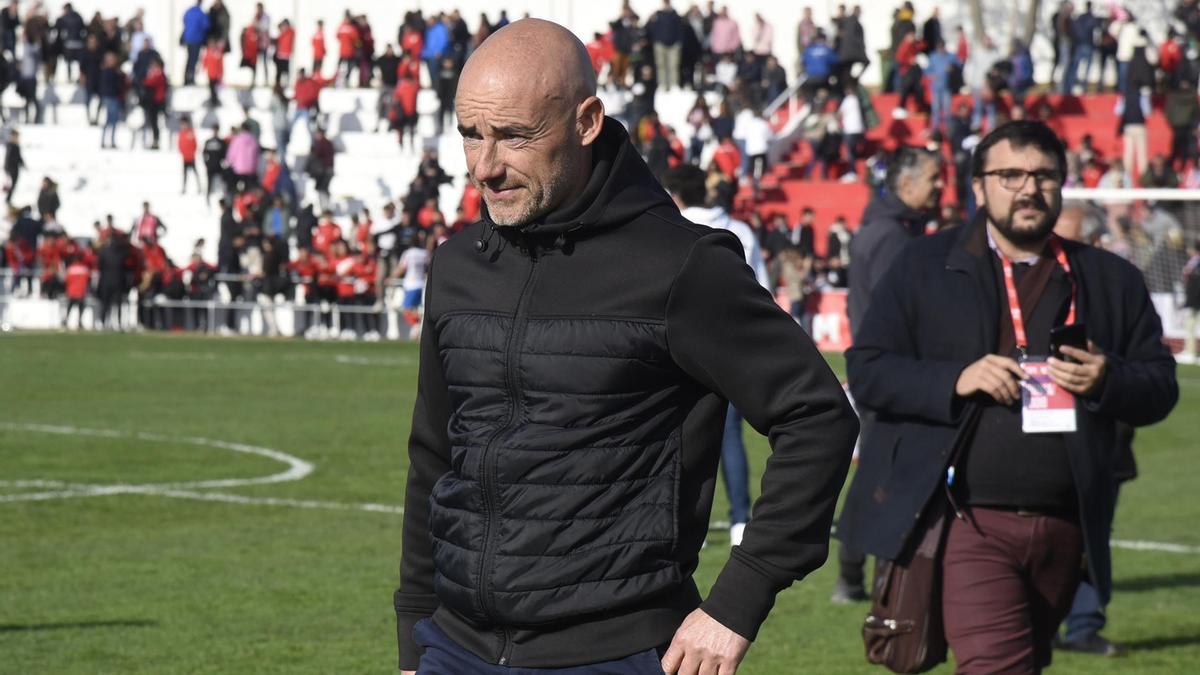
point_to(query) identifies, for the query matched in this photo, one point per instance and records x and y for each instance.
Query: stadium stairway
(369, 168)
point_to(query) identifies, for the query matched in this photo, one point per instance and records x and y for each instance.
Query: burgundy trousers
(1008, 579)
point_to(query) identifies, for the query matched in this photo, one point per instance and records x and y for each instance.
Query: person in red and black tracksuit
(78, 283)
(187, 151)
(303, 274)
(366, 287)
(342, 265)
(285, 44)
(154, 98)
(51, 257)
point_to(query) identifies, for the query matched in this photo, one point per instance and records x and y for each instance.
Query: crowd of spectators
(733, 70)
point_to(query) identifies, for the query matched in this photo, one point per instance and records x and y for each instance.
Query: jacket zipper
(487, 460)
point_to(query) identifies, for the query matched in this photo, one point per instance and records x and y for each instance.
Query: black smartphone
(1074, 335)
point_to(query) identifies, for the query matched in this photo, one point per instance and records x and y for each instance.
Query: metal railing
(255, 314)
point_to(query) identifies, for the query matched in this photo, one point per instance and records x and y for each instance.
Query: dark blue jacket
(666, 28)
(936, 311)
(195, 26)
(819, 60)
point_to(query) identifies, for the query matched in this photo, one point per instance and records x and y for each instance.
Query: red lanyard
(1014, 302)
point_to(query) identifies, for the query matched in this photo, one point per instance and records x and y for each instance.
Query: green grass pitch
(294, 577)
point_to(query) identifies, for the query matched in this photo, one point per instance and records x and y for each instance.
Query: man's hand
(704, 646)
(996, 376)
(1084, 378)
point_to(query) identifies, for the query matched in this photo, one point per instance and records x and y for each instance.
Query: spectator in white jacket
(983, 56)
(754, 134)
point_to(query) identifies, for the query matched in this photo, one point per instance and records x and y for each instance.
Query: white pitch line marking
(297, 469)
(1165, 547)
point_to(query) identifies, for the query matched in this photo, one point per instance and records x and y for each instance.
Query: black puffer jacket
(573, 386)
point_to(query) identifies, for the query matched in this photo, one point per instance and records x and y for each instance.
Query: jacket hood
(621, 188)
(888, 208)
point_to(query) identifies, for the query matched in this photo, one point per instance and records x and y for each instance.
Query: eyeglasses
(1014, 180)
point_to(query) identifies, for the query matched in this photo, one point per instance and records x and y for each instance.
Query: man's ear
(977, 188)
(589, 120)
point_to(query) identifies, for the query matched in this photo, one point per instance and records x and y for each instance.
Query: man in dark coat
(555, 522)
(956, 336)
(913, 190)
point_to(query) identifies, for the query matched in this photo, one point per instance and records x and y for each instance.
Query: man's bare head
(528, 113)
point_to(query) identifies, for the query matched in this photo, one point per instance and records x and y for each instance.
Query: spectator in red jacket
(470, 203)
(148, 226)
(78, 281)
(1170, 55)
(307, 97)
(429, 214)
(600, 51)
(325, 233)
(412, 42)
(908, 72)
(366, 287)
(361, 229)
(214, 69)
(271, 170)
(318, 48)
(347, 37)
(405, 110)
(727, 158)
(187, 150)
(285, 45)
(50, 257)
(153, 99)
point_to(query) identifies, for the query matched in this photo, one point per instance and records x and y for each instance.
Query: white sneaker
(371, 336)
(1185, 358)
(735, 534)
(899, 113)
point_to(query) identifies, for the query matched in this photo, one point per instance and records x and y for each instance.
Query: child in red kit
(187, 149)
(214, 69)
(79, 280)
(318, 48)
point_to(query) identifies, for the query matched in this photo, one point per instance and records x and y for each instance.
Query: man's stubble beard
(550, 196)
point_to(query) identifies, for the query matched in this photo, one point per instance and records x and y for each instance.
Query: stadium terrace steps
(369, 168)
(785, 189)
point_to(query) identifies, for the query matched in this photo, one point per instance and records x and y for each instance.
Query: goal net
(1152, 228)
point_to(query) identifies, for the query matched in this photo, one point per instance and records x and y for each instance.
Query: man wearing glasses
(993, 413)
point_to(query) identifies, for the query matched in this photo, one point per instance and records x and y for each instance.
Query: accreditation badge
(1046, 408)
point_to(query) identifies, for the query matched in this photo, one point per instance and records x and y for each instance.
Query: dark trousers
(12, 186)
(283, 70)
(1007, 582)
(443, 656)
(910, 86)
(189, 70)
(190, 167)
(735, 469)
(1183, 145)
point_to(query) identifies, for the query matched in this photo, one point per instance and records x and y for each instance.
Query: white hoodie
(716, 217)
